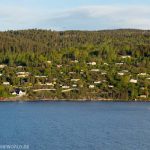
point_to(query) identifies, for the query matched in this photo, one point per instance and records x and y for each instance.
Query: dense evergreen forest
(45, 64)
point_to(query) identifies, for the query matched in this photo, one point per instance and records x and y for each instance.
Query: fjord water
(76, 125)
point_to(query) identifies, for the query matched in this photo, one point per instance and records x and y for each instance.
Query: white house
(103, 73)
(2, 66)
(126, 56)
(65, 87)
(106, 64)
(91, 86)
(49, 62)
(95, 70)
(67, 90)
(125, 71)
(72, 72)
(143, 96)
(75, 80)
(120, 73)
(74, 61)
(39, 90)
(133, 81)
(110, 86)
(92, 63)
(142, 74)
(119, 63)
(6, 83)
(74, 85)
(19, 93)
(59, 66)
(22, 74)
(40, 76)
(97, 82)
(49, 84)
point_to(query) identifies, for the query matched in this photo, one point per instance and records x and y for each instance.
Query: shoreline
(26, 99)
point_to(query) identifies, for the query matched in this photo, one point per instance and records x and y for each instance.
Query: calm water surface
(76, 125)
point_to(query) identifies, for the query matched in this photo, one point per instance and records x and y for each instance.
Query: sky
(74, 14)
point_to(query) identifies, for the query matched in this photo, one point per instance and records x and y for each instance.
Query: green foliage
(33, 50)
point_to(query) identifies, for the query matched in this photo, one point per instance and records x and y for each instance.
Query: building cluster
(75, 83)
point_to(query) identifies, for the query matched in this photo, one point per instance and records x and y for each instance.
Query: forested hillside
(112, 64)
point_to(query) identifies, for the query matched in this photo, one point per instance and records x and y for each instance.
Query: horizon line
(113, 29)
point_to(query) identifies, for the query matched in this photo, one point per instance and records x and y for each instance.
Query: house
(97, 82)
(110, 86)
(39, 90)
(120, 73)
(133, 81)
(1, 74)
(91, 86)
(74, 61)
(143, 96)
(40, 76)
(125, 71)
(142, 74)
(119, 63)
(54, 82)
(74, 85)
(6, 83)
(104, 81)
(22, 74)
(65, 87)
(2, 66)
(103, 73)
(19, 66)
(106, 64)
(72, 72)
(91, 63)
(14, 93)
(19, 92)
(49, 84)
(126, 56)
(49, 62)
(142, 88)
(81, 72)
(95, 70)
(67, 90)
(75, 80)
(59, 66)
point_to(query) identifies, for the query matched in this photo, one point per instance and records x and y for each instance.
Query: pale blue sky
(74, 14)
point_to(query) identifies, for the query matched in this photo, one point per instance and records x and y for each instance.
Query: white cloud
(87, 17)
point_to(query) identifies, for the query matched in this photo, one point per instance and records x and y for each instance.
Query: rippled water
(76, 125)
